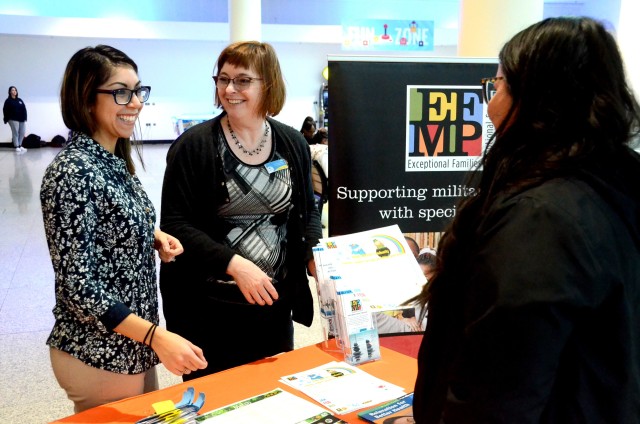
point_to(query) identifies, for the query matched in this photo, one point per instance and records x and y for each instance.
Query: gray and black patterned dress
(99, 225)
(257, 211)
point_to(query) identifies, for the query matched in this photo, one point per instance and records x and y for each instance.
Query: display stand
(358, 276)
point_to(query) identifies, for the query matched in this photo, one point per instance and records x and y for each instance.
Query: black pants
(231, 335)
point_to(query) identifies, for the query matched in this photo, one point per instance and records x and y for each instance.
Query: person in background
(320, 149)
(321, 137)
(308, 129)
(237, 192)
(15, 114)
(99, 225)
(534, 312)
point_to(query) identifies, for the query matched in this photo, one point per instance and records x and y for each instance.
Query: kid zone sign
(379, 35)
(445, 128)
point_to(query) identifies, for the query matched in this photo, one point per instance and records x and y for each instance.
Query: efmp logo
(444, 128)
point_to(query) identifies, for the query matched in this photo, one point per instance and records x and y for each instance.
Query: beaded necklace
(241, 147)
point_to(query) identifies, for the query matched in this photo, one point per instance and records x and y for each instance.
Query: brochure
(326, 297)
(342, 388)
(398, 408)
(275, 407)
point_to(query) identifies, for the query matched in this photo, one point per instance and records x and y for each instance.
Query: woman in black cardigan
(237, 192)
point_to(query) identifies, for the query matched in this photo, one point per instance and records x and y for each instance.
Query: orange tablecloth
(249, 380)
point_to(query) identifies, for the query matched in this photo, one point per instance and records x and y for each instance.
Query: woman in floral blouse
(100, 228)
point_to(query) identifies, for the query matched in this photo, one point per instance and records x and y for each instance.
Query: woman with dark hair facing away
(308, 129)
(534, 311)
(99, 225)
(15, 114)
(237, 193)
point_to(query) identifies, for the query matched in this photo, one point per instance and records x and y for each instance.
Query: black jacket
(193, 189)
(541, 323)
(14, 110)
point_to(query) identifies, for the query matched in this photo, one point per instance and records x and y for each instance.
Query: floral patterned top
(99, 225)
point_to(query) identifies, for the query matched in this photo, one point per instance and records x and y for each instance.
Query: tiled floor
(29, 392)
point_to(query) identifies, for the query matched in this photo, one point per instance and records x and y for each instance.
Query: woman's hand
(176, 353)
(254, 284)
(168, 247)
(311, 266)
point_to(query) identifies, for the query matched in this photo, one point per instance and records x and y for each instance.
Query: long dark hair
(86, 71)
(571, 109)
(9, 91)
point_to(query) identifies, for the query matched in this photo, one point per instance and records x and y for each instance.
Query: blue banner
(385, 35)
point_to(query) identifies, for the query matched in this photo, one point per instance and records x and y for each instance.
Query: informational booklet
(398, 408)
(326, 294)
(275, 407)
(342, 388)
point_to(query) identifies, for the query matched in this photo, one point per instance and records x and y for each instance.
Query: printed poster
(404, 134)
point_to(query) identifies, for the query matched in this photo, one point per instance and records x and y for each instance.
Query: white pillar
(485, 25)
(245, 20)
(628, 35)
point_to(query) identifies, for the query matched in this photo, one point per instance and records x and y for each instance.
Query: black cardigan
(540, 321)
(193, 189)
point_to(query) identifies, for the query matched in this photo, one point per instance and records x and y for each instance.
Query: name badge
(276, 165)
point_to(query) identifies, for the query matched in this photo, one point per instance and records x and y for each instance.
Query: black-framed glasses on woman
(488, 87)
(240, 83)
(122, 96)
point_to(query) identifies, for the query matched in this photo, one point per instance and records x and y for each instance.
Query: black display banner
(403, 134)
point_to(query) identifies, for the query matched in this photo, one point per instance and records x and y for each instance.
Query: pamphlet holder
(357, 331)
(326, 299)
(353, 272)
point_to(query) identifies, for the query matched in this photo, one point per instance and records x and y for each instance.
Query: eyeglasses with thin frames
(240, 83)
(488, 87)
(122, 96)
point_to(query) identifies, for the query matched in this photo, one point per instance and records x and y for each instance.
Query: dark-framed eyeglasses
(488, 87)
(240, 83)
(122, 96)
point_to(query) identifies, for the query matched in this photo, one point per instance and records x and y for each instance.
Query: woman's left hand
(311, 266)
(168, 247)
